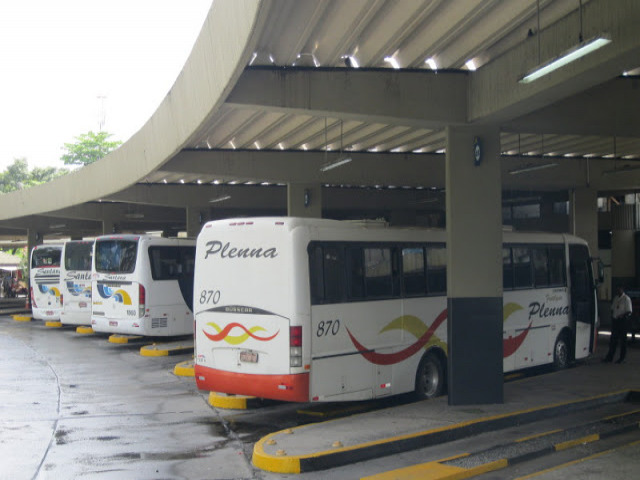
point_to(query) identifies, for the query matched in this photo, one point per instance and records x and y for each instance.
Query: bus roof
(291, 223)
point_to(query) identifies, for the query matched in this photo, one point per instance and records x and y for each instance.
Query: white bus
(45, 282)
(321, 310)
(75, 282)
(142, 285)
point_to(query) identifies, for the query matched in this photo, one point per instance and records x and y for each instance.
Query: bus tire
(430, 377)
(562, 352)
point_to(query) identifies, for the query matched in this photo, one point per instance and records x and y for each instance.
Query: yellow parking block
(84, 330)
(165, 349)
(232, 402)
(22, 318)
(53, 324)
(184, 369)
(116, 338)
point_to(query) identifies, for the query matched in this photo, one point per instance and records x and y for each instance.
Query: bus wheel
(430, 377)
(562, 352)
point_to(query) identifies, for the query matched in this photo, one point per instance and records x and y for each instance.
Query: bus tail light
(61, 300)
(33, 299)
(295, 346)
(142, 300)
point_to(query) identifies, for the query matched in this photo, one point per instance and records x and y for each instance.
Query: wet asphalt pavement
(77, 406)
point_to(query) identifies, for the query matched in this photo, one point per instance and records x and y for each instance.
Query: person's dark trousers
(619, 329)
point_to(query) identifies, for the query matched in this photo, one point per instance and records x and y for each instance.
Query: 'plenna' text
(216, 247)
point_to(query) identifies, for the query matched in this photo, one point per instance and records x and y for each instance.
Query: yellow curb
(83, 330)
(53, 324)
(116, 338)
(281, 462)
(184, 369)
(22, 318)
(231, 402)
(164, 349)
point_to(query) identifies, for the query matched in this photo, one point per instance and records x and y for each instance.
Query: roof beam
(420, 98)
(413, 169)
(495, 94)
(610, 109)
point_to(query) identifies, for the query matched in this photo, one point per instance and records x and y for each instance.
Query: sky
(65, 65)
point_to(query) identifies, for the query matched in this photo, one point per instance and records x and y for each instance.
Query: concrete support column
(109, 225)
(304, 200)
(584, 216)
(196, 218)
(474, 268)
(623, 259)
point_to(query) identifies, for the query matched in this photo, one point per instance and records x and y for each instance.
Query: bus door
(583, 308)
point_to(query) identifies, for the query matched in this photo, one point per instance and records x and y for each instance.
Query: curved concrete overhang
(221, 51)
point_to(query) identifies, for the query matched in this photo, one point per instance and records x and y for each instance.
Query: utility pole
(101, 112)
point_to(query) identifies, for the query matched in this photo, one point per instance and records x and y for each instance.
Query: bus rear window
(77, 256)
(116, 256)
(46, 257)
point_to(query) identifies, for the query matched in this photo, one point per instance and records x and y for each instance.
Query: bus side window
(436, 270)
(355, 272)
(333, 269)
(414, 277)
(378, 272)
(540, 266)
(522, 268)
(507, 269)
(556, 266)
(316, 276)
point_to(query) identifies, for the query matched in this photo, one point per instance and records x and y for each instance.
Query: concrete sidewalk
(374, 434)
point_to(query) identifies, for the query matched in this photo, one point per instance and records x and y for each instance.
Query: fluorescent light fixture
(220, 199)
(336, 164)
(134, 215)
(471, 65)
(257, 145)
(432, 63)
(58, 225)
(574, 53)
(393, 62)
(253, 58)
(532, 168)
(233, 145)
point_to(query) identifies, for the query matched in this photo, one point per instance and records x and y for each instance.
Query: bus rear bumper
(289, 388)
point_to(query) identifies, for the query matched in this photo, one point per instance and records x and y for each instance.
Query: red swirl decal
(391, 358)
(225, 332)
(511, 344)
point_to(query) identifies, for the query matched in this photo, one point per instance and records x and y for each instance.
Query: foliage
(88, 148)
(17, 175)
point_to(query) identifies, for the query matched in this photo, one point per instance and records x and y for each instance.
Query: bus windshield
(46, 257)
(77, 256)
(116, 256)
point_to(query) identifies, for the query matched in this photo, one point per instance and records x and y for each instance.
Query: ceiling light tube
(220, 199)
(532, 168)
(337, 163)
(567, 57)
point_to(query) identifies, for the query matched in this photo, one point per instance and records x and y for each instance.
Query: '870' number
(328, 327)
(209, 296)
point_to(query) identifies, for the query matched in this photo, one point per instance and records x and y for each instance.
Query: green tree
(88, 148)
(18, 176)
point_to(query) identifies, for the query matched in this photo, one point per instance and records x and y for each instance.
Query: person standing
(620, 317)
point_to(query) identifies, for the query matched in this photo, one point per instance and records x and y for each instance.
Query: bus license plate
(248, 357)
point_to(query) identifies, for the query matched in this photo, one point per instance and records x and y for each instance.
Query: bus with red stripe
(311, 310)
